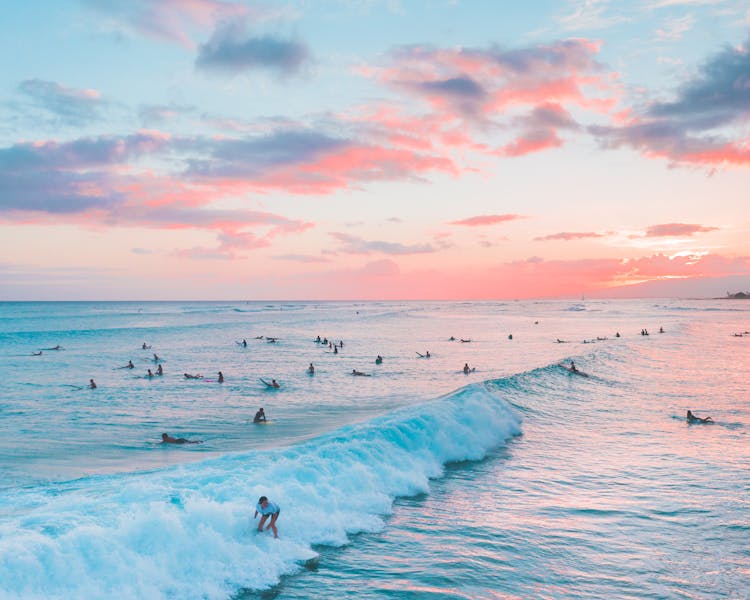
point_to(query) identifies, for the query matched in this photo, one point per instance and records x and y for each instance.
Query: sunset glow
(215, 149)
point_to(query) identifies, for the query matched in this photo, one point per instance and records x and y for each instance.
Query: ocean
(518, 479)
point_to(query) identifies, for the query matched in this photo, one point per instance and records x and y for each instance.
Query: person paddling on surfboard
(691, 418)
(168, 439)
(267, 509)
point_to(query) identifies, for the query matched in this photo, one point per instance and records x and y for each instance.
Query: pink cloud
(567, 236)
(479, 83)
(676, 229)
(486, 220)
(530, 143)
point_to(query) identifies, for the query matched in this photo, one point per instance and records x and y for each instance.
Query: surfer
(150, 374)
(510, 336)
(130, 365)
(691, 418)
(425, 355)
(259, 416)
(58, 347)
(221, 377)
(451, 339)
(359, 373)
(273, 384)
(159, 370)
(189, 376)
(145, 346)
(467, 370)
(311, 369)
(379, 360)
(573, 367)
(267, 509)
(168, 439)
(36, 353)
(92, 385)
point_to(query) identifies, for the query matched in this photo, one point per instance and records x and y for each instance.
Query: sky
(374, 149)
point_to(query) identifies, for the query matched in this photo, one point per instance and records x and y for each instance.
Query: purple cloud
(252, 156)
(355, 245)
(71, 106)
(232, 51)
(695, 127)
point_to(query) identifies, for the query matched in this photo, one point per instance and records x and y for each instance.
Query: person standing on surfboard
(267, 509)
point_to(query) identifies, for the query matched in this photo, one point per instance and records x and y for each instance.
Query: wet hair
(262, 499)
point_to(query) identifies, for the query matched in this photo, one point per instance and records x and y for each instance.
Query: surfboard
(576, 372)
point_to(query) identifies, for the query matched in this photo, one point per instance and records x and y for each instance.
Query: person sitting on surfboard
(691, 418)
(379, 360)
(311, 369)
(259, 416)
(573, 367)
(267, 509)
(92, 385)
(159, 370)
(221, 377)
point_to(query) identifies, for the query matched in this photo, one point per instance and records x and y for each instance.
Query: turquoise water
(517, 480)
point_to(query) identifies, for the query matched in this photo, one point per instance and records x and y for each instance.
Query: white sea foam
(188, 531)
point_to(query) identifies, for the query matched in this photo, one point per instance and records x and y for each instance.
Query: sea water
(516, 480)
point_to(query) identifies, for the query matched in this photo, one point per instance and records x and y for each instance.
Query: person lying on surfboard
(168, 439)
(691, 418)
